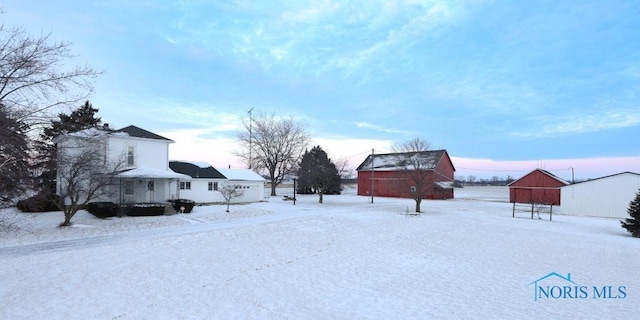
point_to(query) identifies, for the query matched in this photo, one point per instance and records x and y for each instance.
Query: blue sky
(504, 86)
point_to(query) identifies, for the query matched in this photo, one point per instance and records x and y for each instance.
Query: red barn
(383, 173)
(537, 187)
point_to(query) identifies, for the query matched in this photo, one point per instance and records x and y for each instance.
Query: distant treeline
(473, 181)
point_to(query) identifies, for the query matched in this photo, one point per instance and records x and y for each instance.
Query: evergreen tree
(14, 168)
(317, 174)
(82, 118)
(633, 224)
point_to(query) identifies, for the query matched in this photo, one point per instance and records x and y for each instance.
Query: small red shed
(383, 174)
(537, 187)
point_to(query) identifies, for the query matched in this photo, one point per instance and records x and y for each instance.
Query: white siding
(149, 153)
(200, 193)
(605, 197)
(253, 191)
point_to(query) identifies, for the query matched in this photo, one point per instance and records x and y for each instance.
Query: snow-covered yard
(465, 258)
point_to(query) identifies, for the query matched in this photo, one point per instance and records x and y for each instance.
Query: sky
(504, 86)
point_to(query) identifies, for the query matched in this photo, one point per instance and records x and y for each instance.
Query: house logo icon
(544, 291)
(555, 286)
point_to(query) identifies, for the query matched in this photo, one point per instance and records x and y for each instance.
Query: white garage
(251, 183)
(607, 197)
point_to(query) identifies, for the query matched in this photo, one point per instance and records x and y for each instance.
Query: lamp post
(294, 191)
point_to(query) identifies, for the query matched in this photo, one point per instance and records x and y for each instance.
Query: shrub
(103, 209)
(186, 203)
(44, 201)
(146, 209)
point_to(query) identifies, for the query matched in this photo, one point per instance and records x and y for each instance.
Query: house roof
(551, 175)
(390, 161)
(130, 131)
(137, 132)
(196, 169)
(241, 174)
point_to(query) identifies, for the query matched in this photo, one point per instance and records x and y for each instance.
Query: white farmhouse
(602, 197)
(144, 174)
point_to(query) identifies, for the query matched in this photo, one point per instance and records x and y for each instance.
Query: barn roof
(391, 161)
(196, 169)
(544, 172)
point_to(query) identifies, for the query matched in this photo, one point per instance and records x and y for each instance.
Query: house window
(131, 155)
(413, 189)
(185, 185)
(129, 188)
(213, 186)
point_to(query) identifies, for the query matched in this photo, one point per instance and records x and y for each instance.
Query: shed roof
(610, 176)
(391, 161)
(196, 169)
(537, 171)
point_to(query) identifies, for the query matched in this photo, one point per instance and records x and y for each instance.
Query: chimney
(105, 126)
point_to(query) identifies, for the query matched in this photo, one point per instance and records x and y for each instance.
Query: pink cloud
(588, 168)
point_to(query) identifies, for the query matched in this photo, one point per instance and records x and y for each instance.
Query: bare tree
(10, 222)
(344, 168)
(84, 173)
(231, 191)
(415, 168)
(273, 145)
(32, 75)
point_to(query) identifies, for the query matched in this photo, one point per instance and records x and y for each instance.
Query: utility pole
(372, 158)
(250, 136)
(573, 177)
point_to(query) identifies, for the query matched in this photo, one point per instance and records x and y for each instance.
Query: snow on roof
(88, 133)
(200, 164)
(144, 172)
(129, 131)
(240, 174)
(393, 161)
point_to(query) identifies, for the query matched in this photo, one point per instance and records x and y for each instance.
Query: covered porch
(148, 185)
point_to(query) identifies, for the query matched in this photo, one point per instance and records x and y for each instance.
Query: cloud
(365, 125)
(313, 37)
(580, 123)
